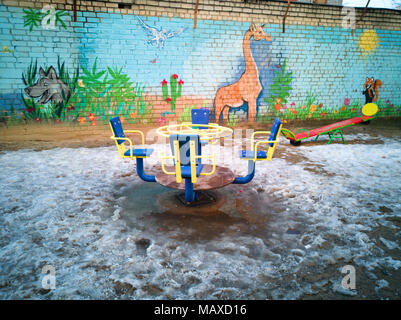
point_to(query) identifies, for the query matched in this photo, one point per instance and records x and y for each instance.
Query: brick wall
(315, 69)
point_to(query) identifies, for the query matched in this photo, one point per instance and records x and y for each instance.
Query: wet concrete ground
(286, 235)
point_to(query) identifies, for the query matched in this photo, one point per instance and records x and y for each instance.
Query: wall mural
(47, 18)
(158, 36)
(371, 89)
(368, 43)
(47, 91)
(265, 79)
(248, 87)
(96, 95)
(49, 88)
(5, 49)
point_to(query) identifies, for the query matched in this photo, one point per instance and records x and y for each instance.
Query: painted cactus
(175, 90)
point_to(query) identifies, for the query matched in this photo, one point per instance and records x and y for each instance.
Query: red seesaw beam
(331, 129)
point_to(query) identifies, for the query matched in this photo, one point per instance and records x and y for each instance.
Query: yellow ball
(369, 109)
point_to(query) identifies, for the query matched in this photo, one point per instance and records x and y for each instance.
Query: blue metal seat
(255, 154)
(200, 116)
(249, 155)
(187, 154)
(138, 152)
(120, 139)
(184, 147)
(186, 150)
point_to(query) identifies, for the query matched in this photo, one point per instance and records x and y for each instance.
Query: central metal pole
(189, 190)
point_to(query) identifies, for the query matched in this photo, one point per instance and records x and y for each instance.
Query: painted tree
(280, 88)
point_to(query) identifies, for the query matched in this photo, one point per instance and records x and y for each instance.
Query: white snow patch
(86, 212)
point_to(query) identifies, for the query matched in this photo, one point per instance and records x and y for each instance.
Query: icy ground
(286, 235)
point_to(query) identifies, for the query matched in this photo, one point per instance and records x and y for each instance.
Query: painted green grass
(311, 109)
(185, 116)
(34, 18)
(96, 96)
(103, 94)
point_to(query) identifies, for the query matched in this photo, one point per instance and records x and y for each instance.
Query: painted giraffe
(248, 87)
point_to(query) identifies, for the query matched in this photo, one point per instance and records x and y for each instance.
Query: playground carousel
(189, 173)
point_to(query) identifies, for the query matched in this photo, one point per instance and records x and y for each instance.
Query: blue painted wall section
(328, 65)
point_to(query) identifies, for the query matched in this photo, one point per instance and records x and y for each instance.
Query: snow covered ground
(286, 235)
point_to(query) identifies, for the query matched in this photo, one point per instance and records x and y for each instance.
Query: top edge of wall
(258, 11)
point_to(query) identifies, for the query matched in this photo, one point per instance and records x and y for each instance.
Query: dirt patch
(48, 136)
(41, 136)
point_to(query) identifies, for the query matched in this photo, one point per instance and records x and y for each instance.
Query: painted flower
(320, 105)
(175, 76)
(284, 121)
(161, 120)
(91, 116)
(291, 110)
(81, 84)
(71, 107)
(69, 118)
(295, 112)
(167, 100)
(322, 114)
(312, 108)
(93, 124)
(388, 101)
(353, 109)
(392, 105)
(310, 115)
(164, 82)
(346, 101)
(335, 111)
(122, 119)
(180, 83)
(303, 107)
(81, 119)
(278, 100)
(292, 104)
(284, 106)
(133, 115)
(31, 109)
(277, 107)
(343, 108)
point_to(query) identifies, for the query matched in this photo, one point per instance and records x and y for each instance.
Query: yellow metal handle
(270, 151)
(254, 134)
(162, 157)
(193, 157)
(213, 157)
(121, 147)
(139, 132)
(178, 176)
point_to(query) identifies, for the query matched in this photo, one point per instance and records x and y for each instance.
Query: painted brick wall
(315, 69)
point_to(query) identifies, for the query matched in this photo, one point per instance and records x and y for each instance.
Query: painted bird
(159, 36)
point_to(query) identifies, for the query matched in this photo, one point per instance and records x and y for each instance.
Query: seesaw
(188, 172)
(334, 129)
